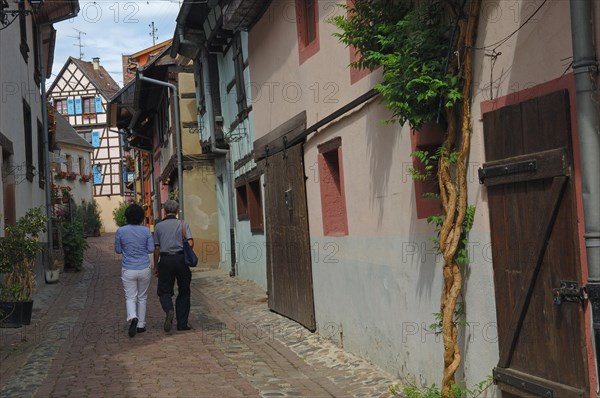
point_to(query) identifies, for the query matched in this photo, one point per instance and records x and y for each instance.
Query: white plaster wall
(16, 84)
(381, 284)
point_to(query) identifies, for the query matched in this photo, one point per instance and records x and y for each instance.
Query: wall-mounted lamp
(5, 13)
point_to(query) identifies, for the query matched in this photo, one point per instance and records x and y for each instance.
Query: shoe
(186, 327)
(133, 327)
(168, 321)
(141, 330)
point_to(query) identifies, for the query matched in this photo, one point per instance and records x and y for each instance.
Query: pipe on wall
(585, 70)
(229, 177)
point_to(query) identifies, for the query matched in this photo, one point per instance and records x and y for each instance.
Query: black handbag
(191, 260)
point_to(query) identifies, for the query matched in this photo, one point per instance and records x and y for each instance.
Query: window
(238, 62)
(69, 163)
(255, 206)
(61, 106)
(331, 180)
(355, 73)
(429, 139)
(307, 26)
(249, 204)
(41, 154)
(241, 197)
(81, 166)
(27, 128)
(24, 47)
(89, 105)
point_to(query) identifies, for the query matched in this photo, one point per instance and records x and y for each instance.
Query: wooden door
(535, 247)
(289, 268)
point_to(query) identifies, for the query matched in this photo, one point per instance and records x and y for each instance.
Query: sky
(110, 29)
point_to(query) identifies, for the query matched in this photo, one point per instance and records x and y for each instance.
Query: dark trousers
(171, 268)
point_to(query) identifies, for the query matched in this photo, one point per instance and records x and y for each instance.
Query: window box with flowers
(85, 178)
(60, 175)
(72, 176)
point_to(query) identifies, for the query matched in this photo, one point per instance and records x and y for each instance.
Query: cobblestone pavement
(77, 344)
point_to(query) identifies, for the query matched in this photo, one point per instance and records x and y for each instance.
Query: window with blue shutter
(95, 139)
(98, 104)
(78, 109)
(97, 169)
(70, 106)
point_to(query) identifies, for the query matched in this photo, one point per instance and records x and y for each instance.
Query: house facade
(27, 41)
(80, 93)
(349, 248)
(225, 122)
(146, 113)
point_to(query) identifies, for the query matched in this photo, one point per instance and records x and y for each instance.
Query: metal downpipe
(229, 177)
(585, 70)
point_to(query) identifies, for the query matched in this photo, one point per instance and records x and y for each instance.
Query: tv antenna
(78, 37)
(153, 33)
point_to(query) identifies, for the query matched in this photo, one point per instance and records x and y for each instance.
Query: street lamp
(5, 21)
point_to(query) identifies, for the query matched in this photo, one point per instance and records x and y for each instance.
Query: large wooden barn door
(289, 268)
(535, 249)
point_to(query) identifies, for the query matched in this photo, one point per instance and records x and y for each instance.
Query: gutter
(585, 70)
(141, 77)
(211, 128)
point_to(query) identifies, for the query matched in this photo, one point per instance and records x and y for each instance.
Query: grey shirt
(167, 234)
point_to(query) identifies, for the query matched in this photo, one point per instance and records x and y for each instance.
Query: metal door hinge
(569, 291)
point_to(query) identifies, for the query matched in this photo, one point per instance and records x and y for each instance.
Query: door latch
(569, 291)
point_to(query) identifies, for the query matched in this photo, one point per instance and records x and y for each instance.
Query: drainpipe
(46, 144)
(177, 135)
(585, 69)
(211, 128)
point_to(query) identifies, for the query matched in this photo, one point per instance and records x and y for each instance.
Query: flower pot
(65, 199)
(14, 314)
(52, 275)
(56, 200)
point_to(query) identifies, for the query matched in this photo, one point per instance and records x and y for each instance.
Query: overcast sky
(111, 29)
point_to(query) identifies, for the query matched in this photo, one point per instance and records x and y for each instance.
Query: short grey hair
(171, 206)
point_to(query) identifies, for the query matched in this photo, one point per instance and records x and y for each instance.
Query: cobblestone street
(77, 344)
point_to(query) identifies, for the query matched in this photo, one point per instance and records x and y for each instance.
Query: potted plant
(89, 215)
(72, 176)
(55, 193)
(74, 245)
(18, 251)
(66, 193)
(129, 162)
(85, 177)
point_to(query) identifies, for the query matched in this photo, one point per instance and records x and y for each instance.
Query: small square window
(242, 202)
(255, 210)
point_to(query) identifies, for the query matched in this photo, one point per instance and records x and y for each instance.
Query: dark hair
(134, 214)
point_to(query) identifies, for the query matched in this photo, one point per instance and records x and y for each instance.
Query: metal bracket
(285, 146)
(522, 384)
(267, 155)
(570, 292)
(507, 169)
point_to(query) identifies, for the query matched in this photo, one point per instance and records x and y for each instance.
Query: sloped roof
(99, 78)
(66, 134)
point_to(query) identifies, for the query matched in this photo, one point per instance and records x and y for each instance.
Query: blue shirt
(135, 242)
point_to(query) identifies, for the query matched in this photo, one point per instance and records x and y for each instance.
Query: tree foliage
(411, 43)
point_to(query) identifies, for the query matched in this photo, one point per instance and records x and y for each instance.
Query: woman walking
(134, 241)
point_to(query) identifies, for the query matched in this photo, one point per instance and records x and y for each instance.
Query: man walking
(169, 264)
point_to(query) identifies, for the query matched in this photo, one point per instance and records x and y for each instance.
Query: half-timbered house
(81, 92)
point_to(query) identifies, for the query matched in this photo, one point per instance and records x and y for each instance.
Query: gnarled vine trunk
(452, 178)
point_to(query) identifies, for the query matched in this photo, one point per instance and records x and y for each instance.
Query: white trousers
(135, 285)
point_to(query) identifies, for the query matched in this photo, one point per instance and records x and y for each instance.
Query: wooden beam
(273, 141)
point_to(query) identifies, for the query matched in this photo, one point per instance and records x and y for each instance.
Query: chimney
(96, 63)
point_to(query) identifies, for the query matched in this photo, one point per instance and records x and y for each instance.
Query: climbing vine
(425, 51)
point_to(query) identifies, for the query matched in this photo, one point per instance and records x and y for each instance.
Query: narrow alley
(77, 344)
